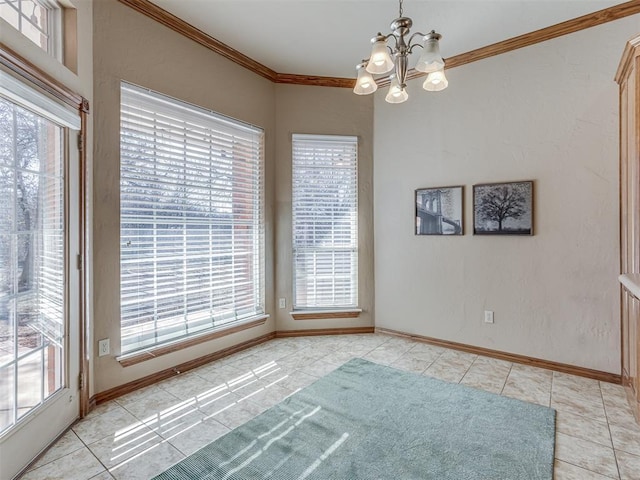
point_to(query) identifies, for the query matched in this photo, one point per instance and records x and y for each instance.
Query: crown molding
(600, 17)
(176, 24)
(294, 79)
(538, 36)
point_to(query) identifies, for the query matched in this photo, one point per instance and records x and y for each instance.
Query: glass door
(39, 317)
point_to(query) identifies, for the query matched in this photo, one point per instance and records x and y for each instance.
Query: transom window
(38, 20)
(191, 220)
(325, 221)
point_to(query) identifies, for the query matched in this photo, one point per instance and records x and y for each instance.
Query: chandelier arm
(395, 40)
(410, 50)
(417, 34)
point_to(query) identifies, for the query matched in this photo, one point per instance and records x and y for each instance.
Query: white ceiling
(329, 37)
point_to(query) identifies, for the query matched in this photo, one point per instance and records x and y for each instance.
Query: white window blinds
(191, 224)
(325, 221)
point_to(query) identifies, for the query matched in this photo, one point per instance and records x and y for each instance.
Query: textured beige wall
(548, 113)
(131, 47)
(539, 113)
(329, 111)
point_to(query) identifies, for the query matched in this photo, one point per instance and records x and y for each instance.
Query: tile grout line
(33, 468)
(586, 469)
(433, 363)
(506, 379)
(93, 454)
(606, 415)
(468, 368)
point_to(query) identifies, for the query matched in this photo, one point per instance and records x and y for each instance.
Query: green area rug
(365, 421)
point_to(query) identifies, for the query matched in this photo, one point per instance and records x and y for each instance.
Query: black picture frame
(504, 208)
(439, 211)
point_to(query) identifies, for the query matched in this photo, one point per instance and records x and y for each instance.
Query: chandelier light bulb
(380, 60)
(430, 60)
(396, 94)
(365, 84)
(436, 81)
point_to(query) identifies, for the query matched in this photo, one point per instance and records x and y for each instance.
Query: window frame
(54, 25)
(67, 118)
(257, 236)
(309, 311)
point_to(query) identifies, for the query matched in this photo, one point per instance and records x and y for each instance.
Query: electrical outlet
(488, 316)
(103, 347)
(282, 302)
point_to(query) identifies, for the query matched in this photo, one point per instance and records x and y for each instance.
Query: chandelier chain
(400, 8)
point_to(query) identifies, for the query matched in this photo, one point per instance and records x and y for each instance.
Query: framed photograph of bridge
(439, 211)
(503, 208)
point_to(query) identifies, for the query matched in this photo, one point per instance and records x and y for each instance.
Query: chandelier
(385, 58)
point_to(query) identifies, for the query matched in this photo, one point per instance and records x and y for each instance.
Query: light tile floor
(141, 434)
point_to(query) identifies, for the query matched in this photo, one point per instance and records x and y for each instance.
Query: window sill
(154, 352)
(323, 314)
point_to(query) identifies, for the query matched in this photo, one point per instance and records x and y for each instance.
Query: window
(31, 260)
(325, 221)
(38, 20)
(191, 224)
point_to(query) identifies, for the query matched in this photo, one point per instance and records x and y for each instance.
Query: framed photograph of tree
(503, 208)
(439, 211)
